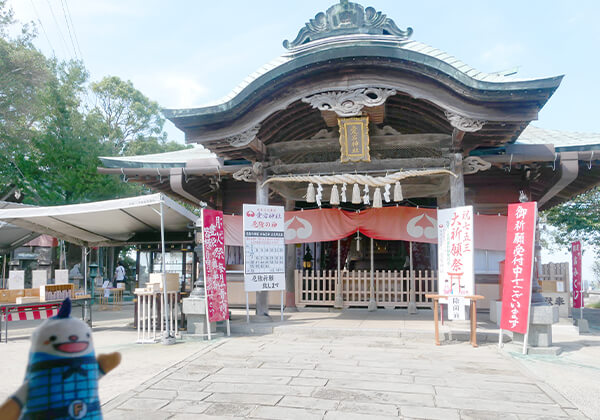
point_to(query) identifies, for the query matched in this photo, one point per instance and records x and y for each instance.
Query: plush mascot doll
(62, 375)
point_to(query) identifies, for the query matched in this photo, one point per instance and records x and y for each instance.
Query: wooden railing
(391, 288)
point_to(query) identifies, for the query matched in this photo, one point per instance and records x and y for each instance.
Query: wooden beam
(375, 165)
(377, 143)
(431, 186)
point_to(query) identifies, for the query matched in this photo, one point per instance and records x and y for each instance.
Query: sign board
(354, 139)
(456, 307)
(264, 248)
(518, 268)
(61, 276)
(38, 278)
(576, 267)
(215, 280)
(16, 279)
(455, 251)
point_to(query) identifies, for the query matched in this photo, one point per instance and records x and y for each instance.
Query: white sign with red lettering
(455, 251)
(264, 248)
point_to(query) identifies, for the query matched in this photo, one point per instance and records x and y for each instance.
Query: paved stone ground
(295, 374)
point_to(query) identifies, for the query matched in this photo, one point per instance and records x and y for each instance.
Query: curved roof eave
(350, 46)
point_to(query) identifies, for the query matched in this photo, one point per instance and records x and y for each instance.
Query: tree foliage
(128, 114)
(50, 140)
(577, 219)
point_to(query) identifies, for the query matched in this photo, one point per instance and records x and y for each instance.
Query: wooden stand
(473, 309)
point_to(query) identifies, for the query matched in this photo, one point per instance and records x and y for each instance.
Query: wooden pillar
(262, 197)
(412, 296)
(290, 266)
(372, 302)
(457, 184)
(339, 298)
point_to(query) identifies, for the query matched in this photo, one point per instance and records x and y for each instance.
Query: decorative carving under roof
(474, 164)
(387, 130)
(244, 138)
(325, 134)
(347, 18)
(245, 174)
(349, 103)
(468, 125)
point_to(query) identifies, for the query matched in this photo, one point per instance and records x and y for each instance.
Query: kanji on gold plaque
(354, 139)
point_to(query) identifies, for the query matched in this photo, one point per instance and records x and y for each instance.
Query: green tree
(24, 73)
(577, 219)
(61, 165)
(127, 112)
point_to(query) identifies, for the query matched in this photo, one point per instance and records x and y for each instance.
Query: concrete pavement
(353, 365)
(329, 365)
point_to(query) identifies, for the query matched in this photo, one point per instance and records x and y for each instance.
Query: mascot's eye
(52, 338)
(88, 335)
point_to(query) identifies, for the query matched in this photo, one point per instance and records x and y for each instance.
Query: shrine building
(361, 132)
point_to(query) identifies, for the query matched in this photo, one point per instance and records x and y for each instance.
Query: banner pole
(581, 304)
(500, 339)
(247, 310)
(282, 305)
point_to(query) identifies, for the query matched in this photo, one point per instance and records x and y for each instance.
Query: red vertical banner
(576, 267)
(518, 268)
(215, 281)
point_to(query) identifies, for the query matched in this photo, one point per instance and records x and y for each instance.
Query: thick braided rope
(372, 181)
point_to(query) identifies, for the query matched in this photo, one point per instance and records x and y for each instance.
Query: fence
(391, 288)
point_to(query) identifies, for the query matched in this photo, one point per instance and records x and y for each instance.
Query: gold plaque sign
(354, 139)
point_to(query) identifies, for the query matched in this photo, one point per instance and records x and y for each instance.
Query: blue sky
(188, 53)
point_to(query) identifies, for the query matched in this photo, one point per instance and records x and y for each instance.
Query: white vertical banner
(456, 308)
(455, 252)
(264, 248)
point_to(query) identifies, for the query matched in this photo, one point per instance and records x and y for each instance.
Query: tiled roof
(560, 139)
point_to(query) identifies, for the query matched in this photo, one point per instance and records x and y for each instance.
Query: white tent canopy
(12, 236)
(102, 223)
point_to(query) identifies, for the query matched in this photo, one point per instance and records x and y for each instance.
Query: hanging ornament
(366, 196)
(357, 241)
(355, 194)
(334, 199)
(319, 195)
(386, 193)
(344, 192)
(377, 198)
(398, 192)
(310, 194)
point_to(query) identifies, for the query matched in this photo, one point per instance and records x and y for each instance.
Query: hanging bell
(377, 198)
(310, 194)
(398, 192)
(334, 200)
(355, 194)
(366, 199)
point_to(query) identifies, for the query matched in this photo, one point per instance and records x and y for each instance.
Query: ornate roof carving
(349, 103)
(347, 18)
(244, 138)
(468, 125)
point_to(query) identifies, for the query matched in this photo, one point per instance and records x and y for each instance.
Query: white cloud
(171, 89)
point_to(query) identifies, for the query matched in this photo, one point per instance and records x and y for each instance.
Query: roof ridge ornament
(349, 103)
(347, 18)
